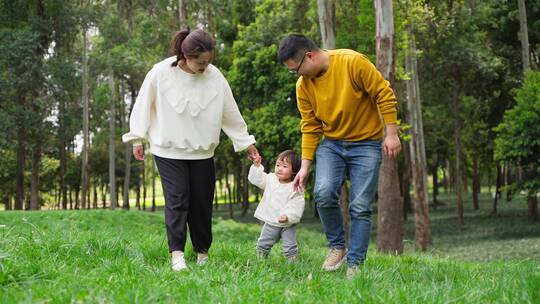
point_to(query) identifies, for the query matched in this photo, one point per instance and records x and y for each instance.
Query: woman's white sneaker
(202, 261)
(179, 264)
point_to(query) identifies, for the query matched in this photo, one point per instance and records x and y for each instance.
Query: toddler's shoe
(292, 259)
(262, 255)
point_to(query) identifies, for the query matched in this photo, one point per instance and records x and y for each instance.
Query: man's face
(303, 67)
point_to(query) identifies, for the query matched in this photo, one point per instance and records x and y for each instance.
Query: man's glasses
(296, 71)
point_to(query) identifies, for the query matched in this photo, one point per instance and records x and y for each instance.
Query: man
(341, 96)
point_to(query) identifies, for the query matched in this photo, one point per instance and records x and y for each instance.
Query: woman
(183, 104)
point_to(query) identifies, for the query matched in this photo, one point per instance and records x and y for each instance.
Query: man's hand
(138, 152)
(283, 218)
(300, 180)
(391, 144)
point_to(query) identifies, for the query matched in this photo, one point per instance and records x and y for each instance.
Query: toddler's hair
(291, 157)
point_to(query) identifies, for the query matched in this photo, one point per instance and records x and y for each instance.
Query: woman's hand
(283, 218)
(138, 152)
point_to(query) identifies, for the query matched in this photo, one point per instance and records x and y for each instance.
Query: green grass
(101, 256)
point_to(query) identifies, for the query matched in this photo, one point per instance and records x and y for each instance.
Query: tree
(518, 140)
(84, 97)
(327, 22)
(524, 35)
(390, 212)
(416, 142)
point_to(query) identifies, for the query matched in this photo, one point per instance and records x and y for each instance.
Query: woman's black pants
(188, 187)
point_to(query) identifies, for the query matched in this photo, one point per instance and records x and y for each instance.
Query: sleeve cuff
(390, 118)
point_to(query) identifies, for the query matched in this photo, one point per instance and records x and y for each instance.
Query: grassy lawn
(101, 256)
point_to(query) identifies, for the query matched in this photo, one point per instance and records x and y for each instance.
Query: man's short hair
(294, 47)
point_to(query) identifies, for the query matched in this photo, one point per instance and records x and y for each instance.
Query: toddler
(280, 208)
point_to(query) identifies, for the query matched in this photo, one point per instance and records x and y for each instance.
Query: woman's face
(199, 64)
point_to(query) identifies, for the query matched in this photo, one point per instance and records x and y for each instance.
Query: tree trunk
(127, 150)
(498, 183)
(390, 211)
(458, 180)
(218, 193)
(21, 150)
(70, 199)
(7, 202)
(524, 36)
(245, 191)
(154, 185)
(182, 14)
(112, 133)
(63, 165)
(237, 187)
(138, 198)
(77, 191)
(95, 186)
(406, 182)
(104, 196)
(490, 179)
(229, 194)
(35, 203)
(508, 180)
(144, 184)
(417, 149)
(435, 174)
(475, 183)
(532, 203)
(445, 176)
(89, 195)
(84, 97)
(327, 23)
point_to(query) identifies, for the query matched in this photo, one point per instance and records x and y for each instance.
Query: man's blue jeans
(361, 159)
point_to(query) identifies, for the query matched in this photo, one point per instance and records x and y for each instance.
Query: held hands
(253, 155)
(138, 152)
(391, 144)
(257, 161)
(283, 218)
(300, 180)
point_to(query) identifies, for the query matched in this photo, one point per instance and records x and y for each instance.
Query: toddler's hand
(257, 160)
(283, 218)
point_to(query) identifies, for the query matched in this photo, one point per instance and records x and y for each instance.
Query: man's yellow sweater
(345, 103)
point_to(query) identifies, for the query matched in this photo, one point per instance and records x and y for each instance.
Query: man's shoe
(334, 259)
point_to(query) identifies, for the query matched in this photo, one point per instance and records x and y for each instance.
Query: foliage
(518, 140)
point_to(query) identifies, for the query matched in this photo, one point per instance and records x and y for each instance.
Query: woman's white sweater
(181, 114)
(278, 199)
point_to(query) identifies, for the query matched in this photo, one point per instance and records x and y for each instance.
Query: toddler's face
(283, 170)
